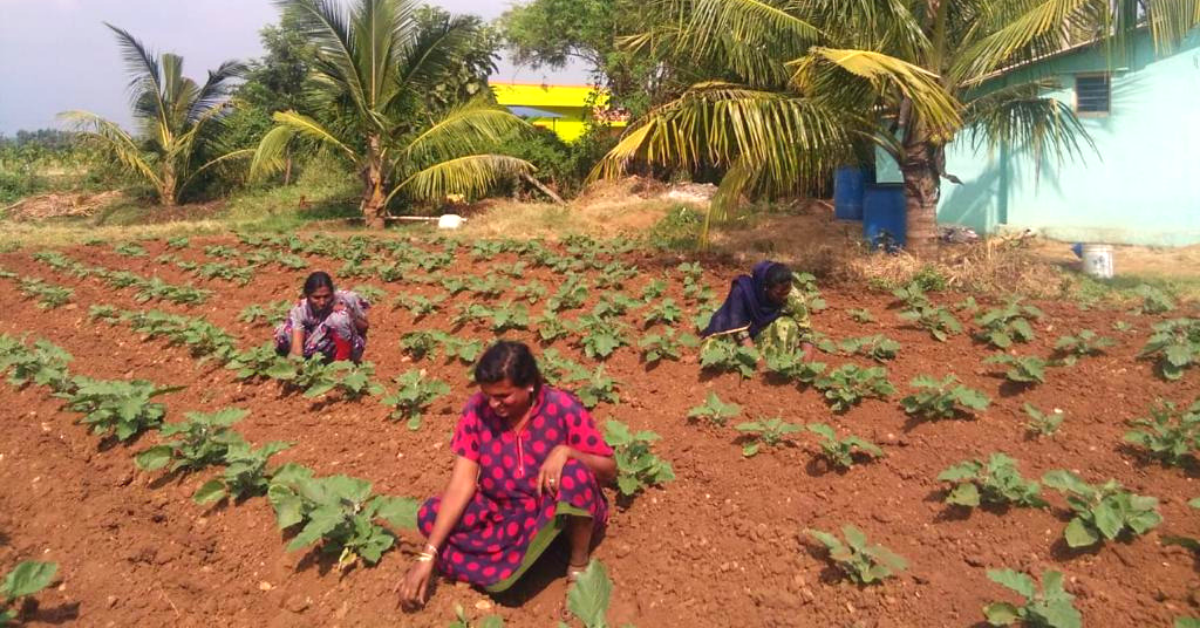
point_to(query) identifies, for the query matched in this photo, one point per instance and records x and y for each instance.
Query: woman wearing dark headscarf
(766, 307)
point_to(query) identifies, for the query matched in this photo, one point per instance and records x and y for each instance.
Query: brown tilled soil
(721, 546)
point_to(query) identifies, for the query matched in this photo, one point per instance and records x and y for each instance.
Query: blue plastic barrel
(849, 186)
(883, 215)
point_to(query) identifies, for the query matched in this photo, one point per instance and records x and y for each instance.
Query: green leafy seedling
(998, 482)
(793, 367)
(246, 473)
(938, 321)
(1169, 435)
(414, 394)
(48, 296)
(1022, 369)
(849, 384)
(1175, 344)
(768, 432)
(598, 388)
(857, 558)
(24, 580)
(945, 399)
(714, 411)
(338, 513)
(1002, 327)
(841, 453)
(589, 598)
(879, 347)
(43, 365)
(1103, 512)
(117, 408)
(638, 468)
(1043, 423)
(721, 354)
(1051, 608)
(1083, 344)
(665, 312)
(419, 344)
(665, 346)
(204, 440)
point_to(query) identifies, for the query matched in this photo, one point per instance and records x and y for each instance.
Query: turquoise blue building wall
(1141, 186)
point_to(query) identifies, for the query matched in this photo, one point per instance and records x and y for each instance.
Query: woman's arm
(459, 491)
(458, 494)
(297, 341)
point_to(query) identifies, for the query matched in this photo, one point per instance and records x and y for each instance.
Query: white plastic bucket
(1098, 260)
(450, 221)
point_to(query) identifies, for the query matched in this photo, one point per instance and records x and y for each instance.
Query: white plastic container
(450, 221)
(1098, 261)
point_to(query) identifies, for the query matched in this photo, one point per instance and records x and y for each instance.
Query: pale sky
(57, 55)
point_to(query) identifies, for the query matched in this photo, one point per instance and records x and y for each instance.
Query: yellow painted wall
(569, 101)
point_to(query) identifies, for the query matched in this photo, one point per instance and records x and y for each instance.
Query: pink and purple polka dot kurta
(507, 526)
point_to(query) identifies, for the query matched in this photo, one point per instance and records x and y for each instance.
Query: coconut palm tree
(374, 64)
(176, 119)
(806, 85)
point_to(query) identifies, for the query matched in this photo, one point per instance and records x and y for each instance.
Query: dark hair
(316, 281)
(777, 274)
(508, 360)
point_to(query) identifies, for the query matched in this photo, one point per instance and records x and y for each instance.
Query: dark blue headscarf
(747, 304)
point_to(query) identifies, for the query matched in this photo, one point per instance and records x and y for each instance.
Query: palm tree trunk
(373, 208)
(167, 191)
(922, 189)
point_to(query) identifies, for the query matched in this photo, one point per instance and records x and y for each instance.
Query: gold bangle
(431, 549)
(424, 557)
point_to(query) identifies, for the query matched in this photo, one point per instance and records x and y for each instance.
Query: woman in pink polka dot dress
(529, 465)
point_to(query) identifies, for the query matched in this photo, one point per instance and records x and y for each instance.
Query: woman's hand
(551, 472)
(415, 585)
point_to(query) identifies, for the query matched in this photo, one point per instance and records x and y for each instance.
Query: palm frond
(269, 156)
(215, 91)
(750, 37)
(792, 139)
(471, 176)
(935, 106)
(1171, 20)
(111, 137)
(433, 53)
(377, 35)
(1020, 116)
(468, 128)
(145, 71)
(327, 26)
(1024, 30)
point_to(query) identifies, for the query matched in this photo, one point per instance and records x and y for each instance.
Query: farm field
(723, 544)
